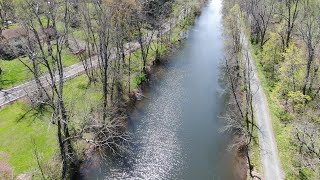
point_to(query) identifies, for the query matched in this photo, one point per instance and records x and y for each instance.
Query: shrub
(298, 99)
(13, 49)
(140, 78)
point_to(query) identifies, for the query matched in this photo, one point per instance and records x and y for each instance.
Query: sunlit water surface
(176, 129)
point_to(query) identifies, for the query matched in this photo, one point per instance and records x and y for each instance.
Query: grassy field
(19, 124)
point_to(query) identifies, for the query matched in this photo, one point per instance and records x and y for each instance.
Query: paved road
(11, 95)
(268, 146)
(8, 96)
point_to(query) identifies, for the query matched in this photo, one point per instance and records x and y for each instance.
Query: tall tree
(261, 12)
(290, 15)
(45, 50)
(310, 33)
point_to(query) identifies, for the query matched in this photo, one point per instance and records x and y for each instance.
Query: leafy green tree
(271, 56)
(297, 100)
(291, 71)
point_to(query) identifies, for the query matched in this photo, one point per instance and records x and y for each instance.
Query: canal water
(176, 129)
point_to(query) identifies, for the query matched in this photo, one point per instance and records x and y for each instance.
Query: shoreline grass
(282, 131)
(80, 98)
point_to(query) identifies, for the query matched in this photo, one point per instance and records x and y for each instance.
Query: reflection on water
(176, 130)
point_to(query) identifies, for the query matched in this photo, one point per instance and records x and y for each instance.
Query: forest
(87, 60)
(283, 38)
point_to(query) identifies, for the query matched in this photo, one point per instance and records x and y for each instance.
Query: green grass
(13, 26)
(80, 97)
(79, 34)
(18, 127)
(255, 153)
(69, 59)
(282, 130)
(16, 73)
(19, 124)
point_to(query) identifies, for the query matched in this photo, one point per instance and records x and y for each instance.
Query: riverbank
(244, 114)
(176, 127)
(94, 158)
(22, 122)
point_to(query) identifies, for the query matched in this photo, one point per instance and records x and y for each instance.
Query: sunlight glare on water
(176, 130)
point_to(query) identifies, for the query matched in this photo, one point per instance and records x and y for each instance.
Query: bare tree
(290, 16)
(240, 113)
(91, 40)
(46, 49)
(310, 33)
(6, 12)
(238, 77)
(307, 138)
(261, 12)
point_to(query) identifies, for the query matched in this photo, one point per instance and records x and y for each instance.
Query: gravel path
(268, 146)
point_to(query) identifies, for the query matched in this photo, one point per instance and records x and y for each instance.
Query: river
(176, 128)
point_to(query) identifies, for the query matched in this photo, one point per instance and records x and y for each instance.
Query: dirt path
(268, 146)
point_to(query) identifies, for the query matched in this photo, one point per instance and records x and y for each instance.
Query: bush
(298, 99)
(13, 49)
(6, 52)
(140, 79)
(284, 116)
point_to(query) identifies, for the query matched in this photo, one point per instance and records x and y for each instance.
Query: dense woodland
(284, 41)
(116, 42)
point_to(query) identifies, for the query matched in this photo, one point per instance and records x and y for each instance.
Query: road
(268, 146)
(11, 95)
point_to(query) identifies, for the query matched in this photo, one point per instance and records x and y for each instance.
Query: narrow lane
(11, 95)
(268, 145)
